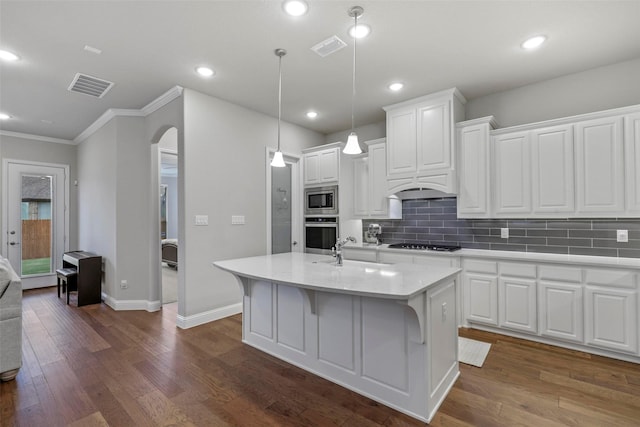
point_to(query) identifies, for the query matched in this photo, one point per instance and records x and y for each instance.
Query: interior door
(34, 220)
(284, 219)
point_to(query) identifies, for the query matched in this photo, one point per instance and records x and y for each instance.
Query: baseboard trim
(208, 316)
(122, 305)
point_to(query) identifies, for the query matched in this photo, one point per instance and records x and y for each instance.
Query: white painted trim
(162, 100)
(36, 137)
(208, 316)
(154, 105)
(123, 305)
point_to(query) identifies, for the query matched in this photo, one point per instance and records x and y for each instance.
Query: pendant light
(278, 160)
(352, 146)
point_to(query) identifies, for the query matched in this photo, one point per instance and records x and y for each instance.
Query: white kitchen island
(386, 331)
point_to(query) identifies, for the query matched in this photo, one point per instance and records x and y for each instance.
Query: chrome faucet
(337, 250)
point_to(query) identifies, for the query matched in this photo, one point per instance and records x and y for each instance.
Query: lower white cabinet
(560, 307)
(517, 304)
(481, 298)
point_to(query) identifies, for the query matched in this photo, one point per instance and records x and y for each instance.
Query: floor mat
(472, 352)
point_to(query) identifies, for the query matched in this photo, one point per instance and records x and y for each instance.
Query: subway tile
(548, 249)
(488, 223)
(536, 232)
(558, 241)
(574, 224)
(594, 251)
(439, 217)
(409, 211)
(622, 224)
(459, 238)
(593, 234)
(476, 245)
(429, 223)
(449, 201)
(429, 210)
(458, 223)
(612, 243)
(490, 239)
(422, 230)
(506, 247)
(427, 237)
(512, 232)
(527, 240)
(441, 230)
(629, 253)
(480, 231)
(526, 223)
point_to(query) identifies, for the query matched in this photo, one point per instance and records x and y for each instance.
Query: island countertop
(319, 272)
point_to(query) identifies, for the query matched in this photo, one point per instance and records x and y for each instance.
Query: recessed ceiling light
(4, 116)
(295, 7)
(205, 71)
(360, 32)
(8, 56)
(533, 42)
(312, 114)
(396, 86)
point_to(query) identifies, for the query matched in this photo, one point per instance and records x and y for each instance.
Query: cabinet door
(560, 310)
(552, 169)
(632, 156)
(517, 304)
(474, 171)
(433, 137)
(481, 298)
(312, 168)
(360, 187)
(612, 320)
(599, 166)
(512, 173)
(329, 165)
(401, 141)
(378, 201)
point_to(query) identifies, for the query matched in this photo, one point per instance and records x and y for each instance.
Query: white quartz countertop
(319, 272)
(596, 261)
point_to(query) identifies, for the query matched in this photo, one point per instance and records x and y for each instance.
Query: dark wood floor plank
(137, 369)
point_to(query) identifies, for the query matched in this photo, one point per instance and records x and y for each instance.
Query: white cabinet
(322, 166)
(611, 310)
(512, 190)
(560, 303)
(370, 184)
(517, 304)
(632, 157)
(480, 292)
(552, 169)
(473, 166)
(420, 142)
(600, 166)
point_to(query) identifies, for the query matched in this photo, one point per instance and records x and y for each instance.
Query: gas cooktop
(425, 247)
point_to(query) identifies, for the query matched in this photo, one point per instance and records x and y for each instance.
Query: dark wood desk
(89, 278)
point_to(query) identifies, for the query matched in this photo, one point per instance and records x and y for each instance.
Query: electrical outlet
(504, 233)
(237, 219)
(124, 284)
(202, 220)
(444, 311)
(622, 235)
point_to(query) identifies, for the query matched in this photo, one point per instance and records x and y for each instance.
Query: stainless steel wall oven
(320, 234)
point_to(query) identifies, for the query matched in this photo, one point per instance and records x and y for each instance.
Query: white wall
(365, 133)
(97, 232)
(45, 152)
(602, 88)
(223, 156)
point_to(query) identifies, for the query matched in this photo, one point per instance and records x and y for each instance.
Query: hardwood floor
(92, 366)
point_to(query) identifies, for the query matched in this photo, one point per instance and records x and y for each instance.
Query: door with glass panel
(34, 220)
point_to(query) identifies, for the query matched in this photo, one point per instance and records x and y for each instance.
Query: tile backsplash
(435, 221)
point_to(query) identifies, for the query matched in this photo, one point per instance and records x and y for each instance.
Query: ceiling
(150, 46)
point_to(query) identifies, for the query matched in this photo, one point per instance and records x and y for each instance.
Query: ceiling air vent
(90, 85)
(328, 46)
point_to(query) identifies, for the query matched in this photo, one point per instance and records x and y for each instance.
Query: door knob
(14, 243)
(294, 243)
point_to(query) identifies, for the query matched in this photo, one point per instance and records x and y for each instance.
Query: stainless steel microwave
(321, 200)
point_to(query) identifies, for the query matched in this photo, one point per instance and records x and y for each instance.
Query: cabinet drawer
(617, 278)
(564, 274)
(481, 266)
(440, 261)
(517, 270)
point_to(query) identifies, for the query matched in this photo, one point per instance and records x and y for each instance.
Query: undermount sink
(347, 262)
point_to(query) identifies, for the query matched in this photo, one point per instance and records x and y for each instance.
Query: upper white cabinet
(370, 185)
(600, 166)
(632, 157)
(474, 166)
(552, 169)
(322, 166)
(512, 173)
(420, 142)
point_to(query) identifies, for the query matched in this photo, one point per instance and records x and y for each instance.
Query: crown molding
(156, 104)
(36, 137)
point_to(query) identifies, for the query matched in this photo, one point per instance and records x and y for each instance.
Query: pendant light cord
(279, 96)
(353, 93)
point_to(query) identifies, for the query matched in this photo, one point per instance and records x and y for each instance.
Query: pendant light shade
(353, 147)
(278, 160)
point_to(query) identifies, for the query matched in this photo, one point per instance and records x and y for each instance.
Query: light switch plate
(504, 233)
(622, 235)
(202, 220)
(237, 219)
